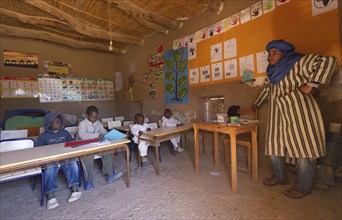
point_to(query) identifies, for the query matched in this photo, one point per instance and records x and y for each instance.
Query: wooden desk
(124, 128)
(40, 156)
(164, 134)
(232, 131)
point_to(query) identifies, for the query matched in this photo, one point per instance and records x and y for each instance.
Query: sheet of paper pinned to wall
(114, 135)
(230, 48)
(118, 81)
(246, 64)
(262, 61)
(216, 52)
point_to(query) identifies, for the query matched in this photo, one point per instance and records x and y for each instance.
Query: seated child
(169, 121)
(137, 130)
(54, 134)
(91, 128)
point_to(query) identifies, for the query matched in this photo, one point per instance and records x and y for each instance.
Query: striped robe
(295, 126)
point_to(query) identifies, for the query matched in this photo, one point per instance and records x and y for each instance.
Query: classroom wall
(234, 92)
(85, 63)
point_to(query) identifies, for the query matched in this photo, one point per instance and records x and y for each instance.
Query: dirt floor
(178, 193)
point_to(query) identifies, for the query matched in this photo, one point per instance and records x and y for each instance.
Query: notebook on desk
(80, 142)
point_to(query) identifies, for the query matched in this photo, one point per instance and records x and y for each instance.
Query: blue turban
(279, 70)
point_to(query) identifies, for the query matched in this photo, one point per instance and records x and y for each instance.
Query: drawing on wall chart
(176, 76)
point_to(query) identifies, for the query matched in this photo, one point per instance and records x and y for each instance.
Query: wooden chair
(16, 145)
(13, 134)
(243, 140)
(127, 122)
(119, 118)
(113, 124)
(72, 130)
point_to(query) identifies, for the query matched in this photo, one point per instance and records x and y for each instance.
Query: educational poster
(50, 90)
(176, 76)
(192, 50)
(245, 15)
(216, 52)
(194, 76)
(20, 59)
(13, 87)
(97, 89)
(130, 94)
(204, 73)
(158, 76)
(131, 80)
(229, 48)
(132, 67)
(53, 69)
(152, 91)
(322, 6)
(246, 64)
(268, 5)
(71, 89)
(146, 78)
(217, 71)
(262, 61)
(89, 89)
(256, 10)
(230, 69)
(118, 81)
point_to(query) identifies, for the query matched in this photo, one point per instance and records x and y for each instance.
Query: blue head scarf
(279, 70)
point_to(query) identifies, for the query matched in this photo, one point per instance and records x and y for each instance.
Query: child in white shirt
(169, 121)
(137, 130)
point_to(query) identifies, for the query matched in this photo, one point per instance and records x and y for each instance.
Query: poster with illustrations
(152, 91)
(176, 76)
(14, 87)
(71, 89)
(20, 59)
(55, 69)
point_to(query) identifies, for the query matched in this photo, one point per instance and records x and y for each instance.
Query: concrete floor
(178, 193)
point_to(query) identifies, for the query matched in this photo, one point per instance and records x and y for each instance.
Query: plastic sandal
(295, 193)
(273, 181)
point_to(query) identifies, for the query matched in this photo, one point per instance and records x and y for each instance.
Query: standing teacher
(295, 128)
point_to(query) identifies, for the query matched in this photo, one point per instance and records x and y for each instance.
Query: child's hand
(148, 129)
(101, 136)
(179, 125)
(140, 133)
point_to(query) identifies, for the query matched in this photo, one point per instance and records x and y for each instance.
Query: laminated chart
(14, 87)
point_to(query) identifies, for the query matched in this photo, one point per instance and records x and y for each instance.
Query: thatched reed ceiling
(90, 24)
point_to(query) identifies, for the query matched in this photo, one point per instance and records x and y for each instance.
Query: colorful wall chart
(13, 87)
(176, 76)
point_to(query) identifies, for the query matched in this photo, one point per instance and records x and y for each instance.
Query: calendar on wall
(14, 87)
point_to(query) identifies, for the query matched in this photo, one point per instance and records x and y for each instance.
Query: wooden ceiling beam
(46, 36)
(214, 5)
(140, 14)
(82, 28)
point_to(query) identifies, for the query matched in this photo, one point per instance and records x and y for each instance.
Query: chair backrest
(153, 125)
(16, 144)
(12, 134)
(106, 120)
(41, 130)
(72, 130)
(119, 118)
(127, 122)
(113, 124)
(248, 113)
(146, 120)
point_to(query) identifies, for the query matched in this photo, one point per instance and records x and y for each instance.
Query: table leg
(233, 162)
(157, 158)
(216, 150)
(128, 168)
(196, 150)
(254, 156)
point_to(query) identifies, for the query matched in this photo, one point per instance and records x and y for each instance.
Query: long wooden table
(164, 134)
(41, 156)
(232, 131)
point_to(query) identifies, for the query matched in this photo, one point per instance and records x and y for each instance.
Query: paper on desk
(114, 135)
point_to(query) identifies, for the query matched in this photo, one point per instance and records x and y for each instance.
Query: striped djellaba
(295, 126)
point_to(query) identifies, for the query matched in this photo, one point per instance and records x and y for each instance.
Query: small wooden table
(40, 156)
(164, 134)
(232, 131)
